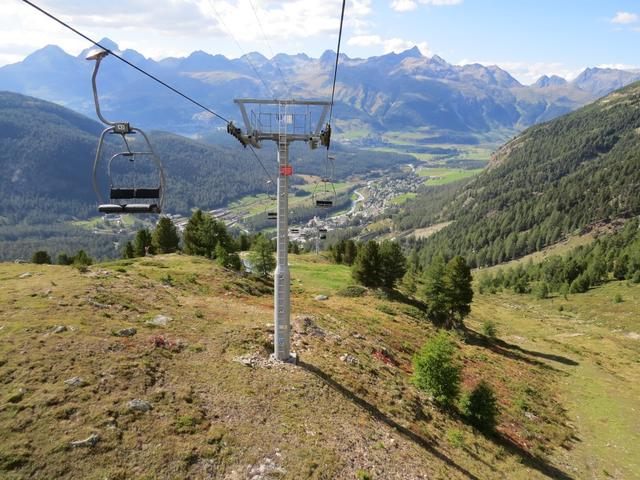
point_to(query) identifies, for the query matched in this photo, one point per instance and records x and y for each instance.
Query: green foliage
(480, 406)
(447, 290)
(64, 259)
(618, 298)
(128, 251)
(352, 291)
(489, 329)
(614, 256)
(456, 438)
(203, 234)
(81, 258)
(553, 180)
(41, 257)
(261, 257)
(165, 237)
(393, 264)
(437, 371)
(366, 267)
(143, 243)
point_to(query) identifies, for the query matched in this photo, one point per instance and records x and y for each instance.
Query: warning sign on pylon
(286, 171)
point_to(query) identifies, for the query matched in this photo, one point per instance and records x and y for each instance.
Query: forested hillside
(553, 180)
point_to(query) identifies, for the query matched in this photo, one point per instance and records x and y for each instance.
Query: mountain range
(392, 92)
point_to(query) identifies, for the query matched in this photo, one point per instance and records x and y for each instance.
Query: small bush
(480, 406)
(617, 298)
(167, 280)
(489, 329)
(387, 309)
(437, 371)
(363, 475)
(352, 291)
(41, 258)
(456, 438)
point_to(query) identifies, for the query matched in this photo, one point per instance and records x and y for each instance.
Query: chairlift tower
(284, 122)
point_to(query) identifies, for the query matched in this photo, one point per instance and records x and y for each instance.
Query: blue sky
(526, 37)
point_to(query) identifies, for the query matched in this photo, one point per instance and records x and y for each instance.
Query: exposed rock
(306, 325)
(345, 357)
(75, 382)
(90, 441)
(138, 405)
(267, 469)
(159, 321)
(357, 336)
(26, 275)
(60, 329)
(91, 301)
(125, 332)
(321, 298)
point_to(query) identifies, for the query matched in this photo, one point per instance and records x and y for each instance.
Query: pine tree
(366, 267)
(41, 257)
(81, 258)
(350, 252)
(435, 292)
(262, 259)
(459, 290)
(437, 371)
(143, 243)
(127, 251)
(64, 259)
(165, 236)
(393, 264)
(193, 233)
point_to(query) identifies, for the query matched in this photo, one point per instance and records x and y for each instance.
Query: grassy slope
(215, 418)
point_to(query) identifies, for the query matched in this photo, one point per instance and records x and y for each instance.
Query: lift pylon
(282, 121)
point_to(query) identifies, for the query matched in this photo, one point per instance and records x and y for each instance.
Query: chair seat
(129, 208)
(125, 193)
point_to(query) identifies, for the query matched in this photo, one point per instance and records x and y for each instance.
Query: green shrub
(41, 257)
(437, 371)
(387, 309)
(489, 329)
(617, 298)
(363, 475)
(456, 438)
(480, 406)
(352, 291)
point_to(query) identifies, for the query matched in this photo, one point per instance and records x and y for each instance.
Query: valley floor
(567, 380)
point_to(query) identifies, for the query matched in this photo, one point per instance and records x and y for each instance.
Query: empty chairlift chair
(125, 199)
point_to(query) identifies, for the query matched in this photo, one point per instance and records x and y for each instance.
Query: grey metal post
(282, 292)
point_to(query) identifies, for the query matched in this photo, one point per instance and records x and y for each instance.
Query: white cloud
(162, 28)
(409, 5)
(403, 5)
(625, 18)
(387, 45)
(619, 66)
(439, 3)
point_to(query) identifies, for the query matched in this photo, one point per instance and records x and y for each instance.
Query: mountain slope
(219, 409)
(396, 91)
(554, 179)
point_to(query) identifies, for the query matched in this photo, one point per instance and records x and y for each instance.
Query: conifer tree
(165, 236)
(350, 252)
(41, 257)
(127, 251)
(458, 289)
(262, 259)
(435, 292)
(366, 267)
(393, 264)
(143, 243)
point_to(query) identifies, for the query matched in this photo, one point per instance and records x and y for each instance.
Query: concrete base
(293, 358)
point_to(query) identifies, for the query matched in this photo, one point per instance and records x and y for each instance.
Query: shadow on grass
(514, 351)
(528, 459)
(378, 415)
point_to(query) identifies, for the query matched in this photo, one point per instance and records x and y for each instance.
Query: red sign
(286, 171)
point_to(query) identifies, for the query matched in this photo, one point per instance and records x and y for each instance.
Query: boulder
(138, 405)
(159, 321)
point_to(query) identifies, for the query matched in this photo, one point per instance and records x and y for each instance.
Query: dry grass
(213, 417)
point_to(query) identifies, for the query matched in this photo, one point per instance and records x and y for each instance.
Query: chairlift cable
(335, 70)
(122, 59)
